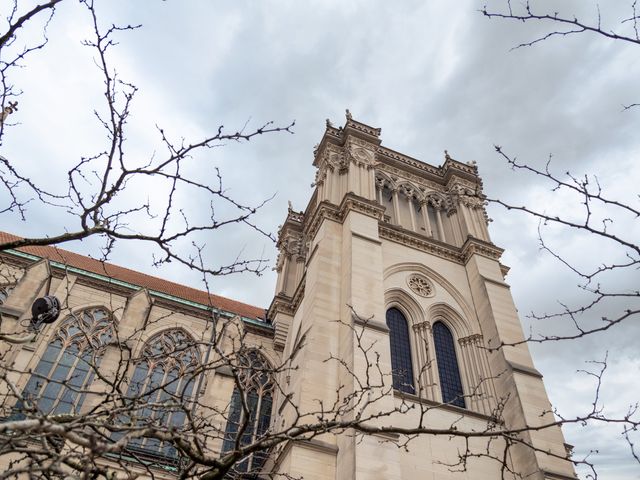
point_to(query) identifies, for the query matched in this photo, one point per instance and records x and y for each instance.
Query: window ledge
(443, 406)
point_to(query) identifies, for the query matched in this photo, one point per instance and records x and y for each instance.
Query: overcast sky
(432, 77)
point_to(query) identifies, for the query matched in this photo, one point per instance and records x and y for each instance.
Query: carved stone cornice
(425, 326)
(392, 171)
(265, 330)
(280, 303)
(325, 210)
(387, 153)
(504, 269)
(350, 202)
(453, 168)
(420, 242)
(286, 304)
(360, 129)
(475, 339)
(475, 246)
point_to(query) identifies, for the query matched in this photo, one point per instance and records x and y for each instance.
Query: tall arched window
(68, 364)
(162, 383)
(450, 383)
(401, 367)
(255, 379)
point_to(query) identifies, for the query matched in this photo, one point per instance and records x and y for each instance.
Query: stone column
(426, 380)
(396, 207)
(424, 204)
(440, 226)
(411, 214)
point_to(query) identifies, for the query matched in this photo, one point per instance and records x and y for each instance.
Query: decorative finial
(290, 205)
(329, 124)
(8, 110)
(348, 114)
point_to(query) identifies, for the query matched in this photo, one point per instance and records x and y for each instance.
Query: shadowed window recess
(68, 365)
(450, 383)
(245, 425)
(161, 388)
(401, 366)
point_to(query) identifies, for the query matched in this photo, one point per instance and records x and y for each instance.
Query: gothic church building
(389, 303)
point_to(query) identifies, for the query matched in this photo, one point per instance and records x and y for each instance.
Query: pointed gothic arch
(462, 310)
(68, 364)
(455, 322)
(161, 389)
(253, 388)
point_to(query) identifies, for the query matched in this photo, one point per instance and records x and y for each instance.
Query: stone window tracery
(162, 384)
(420, 285)
(429, 360)
(256, 390)
(68, 364)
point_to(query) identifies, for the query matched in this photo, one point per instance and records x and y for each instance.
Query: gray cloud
(431, 75)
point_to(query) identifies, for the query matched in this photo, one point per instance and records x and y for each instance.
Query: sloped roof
(139, 279)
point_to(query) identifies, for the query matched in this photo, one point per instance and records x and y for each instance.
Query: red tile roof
(137, 278)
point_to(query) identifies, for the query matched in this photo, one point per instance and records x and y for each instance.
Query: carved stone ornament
(420, 285)
(362, 156)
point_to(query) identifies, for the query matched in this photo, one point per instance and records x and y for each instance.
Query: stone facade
(382, 231)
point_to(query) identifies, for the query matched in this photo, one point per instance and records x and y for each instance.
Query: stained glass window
(450, 383)
(68, 364)
(401, 367)
(162, 384)
(254, 375)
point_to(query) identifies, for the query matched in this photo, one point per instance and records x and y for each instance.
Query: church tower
(391, 305)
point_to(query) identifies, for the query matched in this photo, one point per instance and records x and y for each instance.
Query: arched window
(255, 379)
(402, 370)
(162, 383)
(68, 364)
(450, 383)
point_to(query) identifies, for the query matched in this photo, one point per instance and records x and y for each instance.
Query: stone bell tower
(391, 260)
